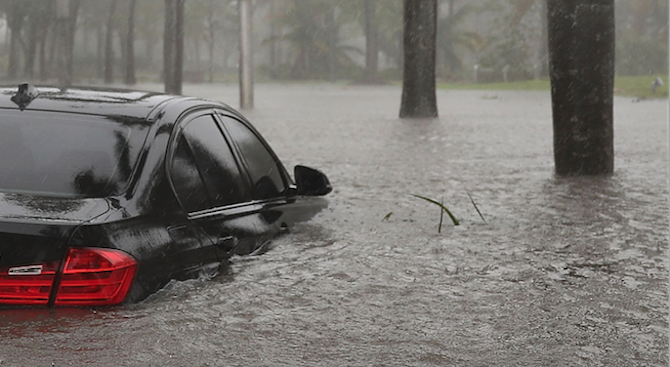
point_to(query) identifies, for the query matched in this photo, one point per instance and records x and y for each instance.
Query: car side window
(186, 179)
(215, 161)
(264, 171)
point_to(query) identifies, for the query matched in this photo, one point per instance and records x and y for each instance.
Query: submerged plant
(442, 211)
(475, 205)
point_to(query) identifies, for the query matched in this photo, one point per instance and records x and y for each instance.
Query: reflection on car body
(106, 195)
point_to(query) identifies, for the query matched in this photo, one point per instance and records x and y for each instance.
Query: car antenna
(25, 95)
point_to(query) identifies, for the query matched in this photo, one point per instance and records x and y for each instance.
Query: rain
(542, 269)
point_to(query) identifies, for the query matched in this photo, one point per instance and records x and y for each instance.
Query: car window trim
(232, 210)
(172, 146)
(286, 178)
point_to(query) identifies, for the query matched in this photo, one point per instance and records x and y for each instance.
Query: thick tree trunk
(420, 32)
(371, 44)
(130, 45)
(581, 54)
(109, 44)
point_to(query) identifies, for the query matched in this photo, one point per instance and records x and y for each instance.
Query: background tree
(16, 15)
(452, 36)
(109, 45)
(312, 29)
(581, 54)
(642, 37)
(67, 12)
(173, 46)
(130, 77)
(418, 86)
(371, 38)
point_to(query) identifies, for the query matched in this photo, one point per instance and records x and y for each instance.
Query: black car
(106, 195)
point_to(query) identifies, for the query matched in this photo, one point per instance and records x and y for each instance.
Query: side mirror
(311, 182)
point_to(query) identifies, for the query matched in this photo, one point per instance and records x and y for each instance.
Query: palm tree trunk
(581, 54)
(420, 32)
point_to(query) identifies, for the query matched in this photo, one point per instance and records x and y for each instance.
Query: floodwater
(562, 272)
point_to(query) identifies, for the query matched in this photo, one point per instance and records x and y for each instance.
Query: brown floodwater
(560, 272)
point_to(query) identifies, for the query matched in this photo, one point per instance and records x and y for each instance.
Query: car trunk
(34, 235)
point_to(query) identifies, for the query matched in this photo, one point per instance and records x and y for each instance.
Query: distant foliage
(641, 56)
(511, 50)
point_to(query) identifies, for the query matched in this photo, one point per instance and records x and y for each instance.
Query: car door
(189, 240)
(223, 209)
(270, 184)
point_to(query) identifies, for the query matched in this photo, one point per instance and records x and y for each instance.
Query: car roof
(90, 100)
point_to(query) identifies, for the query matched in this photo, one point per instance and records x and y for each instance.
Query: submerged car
(106, 195)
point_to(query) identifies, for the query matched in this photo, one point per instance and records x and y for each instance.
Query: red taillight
(91, 277)
(27, 285)
(95, 277)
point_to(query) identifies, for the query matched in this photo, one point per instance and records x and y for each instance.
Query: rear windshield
(58, 154)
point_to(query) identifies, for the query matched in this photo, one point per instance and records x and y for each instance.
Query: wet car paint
(146, 219)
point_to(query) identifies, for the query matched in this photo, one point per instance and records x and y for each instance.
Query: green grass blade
(453, 219)
(475, 205)
(439, 227)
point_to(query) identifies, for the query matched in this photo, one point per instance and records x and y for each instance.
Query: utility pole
(246, 55)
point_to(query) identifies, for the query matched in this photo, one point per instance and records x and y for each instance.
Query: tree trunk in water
(210, 51)
(71, 28)
(371, 45)
(15, 19)
(109, 45)
(100, 46)
(211, 42)
(179, 49)
(130, 45)
(419, 43)
(581, 54)
(53, 40)
(273, 45)
(13, 67)
(66, 16)
(173, 46)
(44, 67)
(543, 57)
(246, 56)
(332, 40)
(30, 50)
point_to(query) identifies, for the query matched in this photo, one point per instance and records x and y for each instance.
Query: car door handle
(227, 242)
